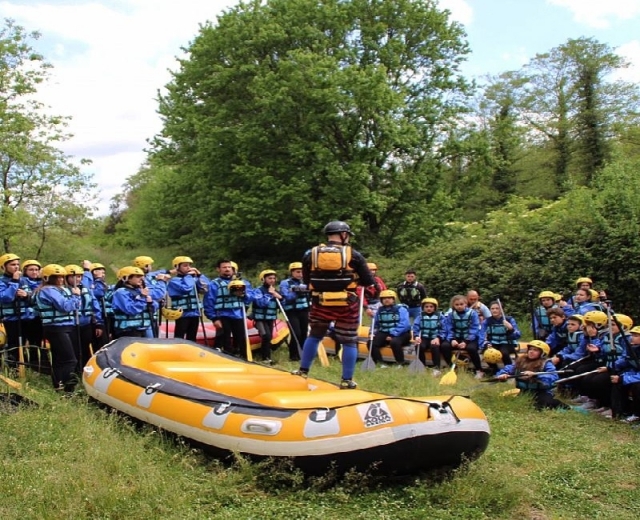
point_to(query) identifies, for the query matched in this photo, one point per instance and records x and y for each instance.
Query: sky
(111, 57)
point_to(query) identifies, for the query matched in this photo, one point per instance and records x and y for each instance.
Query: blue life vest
(430, 325)
(48, 313)
(573, 340)
(270, 312)
(302, 301)
(387, 318)
(141, 321)
(497, 333)
(543, 320)
(224, 299)
(19, 306)
(186, 302)
(461, 323)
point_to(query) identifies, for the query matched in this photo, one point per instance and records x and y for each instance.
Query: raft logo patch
(375, 414)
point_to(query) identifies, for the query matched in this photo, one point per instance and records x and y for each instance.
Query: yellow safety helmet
(547, 294)
(557, 296)
(595, 296)
(584, 279)
(372, 266)
(492, 355)
(624, 320)
(388, 293)
(635, 330)
(73, 269)
(237, 286)
(181, 260)
(267, 272)
(171, 314)
(577, 317)
(536, 343)
(234, 265)
(128, 271)
(27, 263)
(52, 270)
(429, 300)
(295, 265)
(142, 261)
(96, 265)
(598, 318)
(7, 257)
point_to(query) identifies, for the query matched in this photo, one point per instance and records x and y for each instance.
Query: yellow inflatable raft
(231, 405)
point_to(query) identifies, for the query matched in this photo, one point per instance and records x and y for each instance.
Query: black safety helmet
(337, 226)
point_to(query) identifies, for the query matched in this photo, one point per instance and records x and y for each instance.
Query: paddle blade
(416, 366)
(368, 365)
(510, 393)
(249, 351)
(450, 378)
(322, 355)
(340, 355)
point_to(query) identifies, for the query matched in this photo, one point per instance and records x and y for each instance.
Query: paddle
(10, 382)
(322, 355)
(451, 378)
(369, 365)
(246, 334)
(291, 331)
(561, 381)
(416, 366)
(513, 376)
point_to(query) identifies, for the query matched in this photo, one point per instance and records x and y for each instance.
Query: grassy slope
(68, 459)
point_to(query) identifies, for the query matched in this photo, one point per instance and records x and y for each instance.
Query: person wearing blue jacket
(184, 290)
(626, 378)
(392, 327)
(15, 306)
(88, 315)
(223, 305)
(581, 304)
(500, 332)
(576, 345)
(429, 332)
(535, 375)
(595, 332)
(541, 323)
(557, 338)
(598, 386)
(133, 307)
(32, 325)
(57, 306)
(462, 333)
(296, 303)
(265, 311)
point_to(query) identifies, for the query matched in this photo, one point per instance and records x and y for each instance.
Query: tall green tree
(36, 178)
(290, 113)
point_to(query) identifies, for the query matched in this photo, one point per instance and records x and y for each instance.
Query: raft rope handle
(156, 388)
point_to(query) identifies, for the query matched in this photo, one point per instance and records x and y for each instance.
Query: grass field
(68, 458)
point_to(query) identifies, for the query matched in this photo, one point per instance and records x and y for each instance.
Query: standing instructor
(333, 271)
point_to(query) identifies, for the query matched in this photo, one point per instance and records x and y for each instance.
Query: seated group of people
(579, 338)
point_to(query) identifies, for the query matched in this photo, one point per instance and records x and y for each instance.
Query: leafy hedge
(536, 244)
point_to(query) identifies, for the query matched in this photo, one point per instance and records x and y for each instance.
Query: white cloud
(599, 13)
(461, 11)
(109, 63)
(631, 52)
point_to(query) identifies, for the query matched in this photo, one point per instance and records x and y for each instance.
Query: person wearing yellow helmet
(296, 303)
(626, 380)
(31, 322)
(15, 307)
(57, 306)
(575, 345)
(429, 333)
(462, 333)
(184, 290)
(225, 308)
(133, 306)
(391, 327)
(542, 324)
(535, 375)
(500, 332)
(334, 270)
(89, 314)
(265, 308)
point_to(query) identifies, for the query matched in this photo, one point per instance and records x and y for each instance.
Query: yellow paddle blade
(340, 355)
(513, 392)
(450, 378)
(322, 355)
